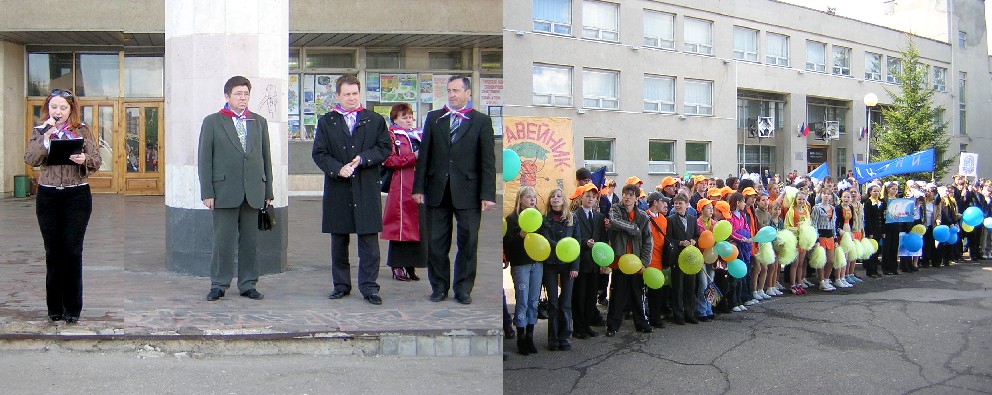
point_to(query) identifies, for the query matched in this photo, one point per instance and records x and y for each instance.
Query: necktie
(589, 215)
(239, 124)
(351, 118)
(455, 123)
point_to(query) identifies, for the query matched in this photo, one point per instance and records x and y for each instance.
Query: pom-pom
(807, 236)
(818, 259)
(785, 247)
(766, 254)
(847, 244)
(840, 258)
(790, 196)
(859, 251)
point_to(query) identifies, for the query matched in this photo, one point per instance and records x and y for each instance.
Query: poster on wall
(491, 92)
(427, 88)
(440, 90)
(308, 95)
(372, 87)
(293, 126)
(398, 88)
(326, 95)
(496, 114)
(546, 155)
(294, 94)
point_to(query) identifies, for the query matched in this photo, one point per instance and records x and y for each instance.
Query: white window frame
(691, 108)
(691, 44)
(601, 102)
(604, 33)
(697, 167)
(662, 18)
(844, 70)
(962, 39)
(558, 28)
(811, 65)
(890, 77)
(555, 99)
(875, 75)
(939, 84)
(751, 36)
(661, 166)
(660, 105)
(594, 164)
(776, 58)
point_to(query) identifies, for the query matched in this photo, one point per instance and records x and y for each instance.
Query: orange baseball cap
(749, 191)
(668, 181)
(723, 207)
(726, 191)
(698, 178)
(703, 203)
(634, 180)
(713, 192)
(579, 190)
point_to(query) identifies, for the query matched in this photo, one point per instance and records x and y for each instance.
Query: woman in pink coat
(401, 223)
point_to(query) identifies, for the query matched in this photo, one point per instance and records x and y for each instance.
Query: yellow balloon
(919, 229)
(722, 230)
(537, 247)
(691, 260)
(709, 256)
(967, 228)
(630, 264)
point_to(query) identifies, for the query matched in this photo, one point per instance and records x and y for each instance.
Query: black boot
(531, 348)
(522, 342)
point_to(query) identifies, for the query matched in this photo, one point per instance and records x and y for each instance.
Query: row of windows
(599, 152)
(601, 90)
(601, 21)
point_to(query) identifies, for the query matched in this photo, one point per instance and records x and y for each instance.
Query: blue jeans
(527, 288)
(705, 308)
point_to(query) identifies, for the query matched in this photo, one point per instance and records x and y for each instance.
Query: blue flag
(917, 162)
(821, 172)
(599, 178)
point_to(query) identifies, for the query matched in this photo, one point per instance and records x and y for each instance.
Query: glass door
(100, 117)
(141, 148)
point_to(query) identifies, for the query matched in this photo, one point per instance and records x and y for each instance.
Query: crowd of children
(655, 227)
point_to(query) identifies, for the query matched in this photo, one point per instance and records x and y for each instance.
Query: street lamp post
(870, 101)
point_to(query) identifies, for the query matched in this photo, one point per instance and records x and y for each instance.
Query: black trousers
(684, 290)
(438, 264)
(584, 311)
(945, 254)
(657, 303)
(974, 243)
(626, 290)
(368, 263)
(728, 286)
(559, 286)
(62, 217)
(890, 249)
(929, 250)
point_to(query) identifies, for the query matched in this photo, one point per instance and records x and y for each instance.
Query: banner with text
(546, 155)
(918, 162)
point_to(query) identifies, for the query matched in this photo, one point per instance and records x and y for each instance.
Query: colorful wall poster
(294, 94)
(546, 155)
(398, 88)
(426, 88)
(308, 94)
(326, 93)
(490, 92)
(372, 87)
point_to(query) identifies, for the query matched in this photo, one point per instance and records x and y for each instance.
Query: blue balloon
(955, 230)
(953, 239)
(765, 235)
(973, 216)
(511, 164)
(723, 248)
(912, 242)
(737, 268)
(941, 233)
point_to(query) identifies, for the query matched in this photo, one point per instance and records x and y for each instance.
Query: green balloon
(567, 250)
(511, 165)
(654, 278)
(530, 220)
(602, 254)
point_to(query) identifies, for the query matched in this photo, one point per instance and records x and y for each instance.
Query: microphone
(45, 129)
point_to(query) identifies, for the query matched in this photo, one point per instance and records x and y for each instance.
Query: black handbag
(385, 178)
(266, 218)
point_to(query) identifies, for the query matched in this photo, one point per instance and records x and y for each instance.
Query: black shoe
(704, 318)
(611, 332)
(692, 320)
(580, 335)
(438, 296)
(55, 317)
(592, 333)
(509, 334)
(522, 343)
(565, 347)
(71, 319)
(658, 324)
(215, 293)
(374, 299)
(552, 347)
(645, 329)
(252, 294)
(463, 299)
(338, 294)
(678, 320)
(711, 317)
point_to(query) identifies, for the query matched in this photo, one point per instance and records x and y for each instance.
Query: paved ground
(129, 292)
(928, 332)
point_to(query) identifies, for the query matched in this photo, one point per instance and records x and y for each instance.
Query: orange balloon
(705, 240)
(733, 255)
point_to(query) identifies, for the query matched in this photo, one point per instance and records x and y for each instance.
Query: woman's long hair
(517, 208)
(566, 214)
(75, 120)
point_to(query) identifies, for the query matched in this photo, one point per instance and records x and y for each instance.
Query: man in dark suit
(350, 145)
(456, 175)
(683, 231)
(235, 169)
(591, 230)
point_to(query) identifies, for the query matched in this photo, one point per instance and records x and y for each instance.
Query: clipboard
(60, 150)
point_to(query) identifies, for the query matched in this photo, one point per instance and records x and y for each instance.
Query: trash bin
(21, 184)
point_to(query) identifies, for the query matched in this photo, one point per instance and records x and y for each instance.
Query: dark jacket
(677, 234)
(637, 234)
(554, 230)
(351, 205)
(468, 164)
(874, 218)
(513, 244)
(586, 229)
(228, 173)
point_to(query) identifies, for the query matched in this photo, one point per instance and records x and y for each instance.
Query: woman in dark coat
(874, 207)
(401, 223)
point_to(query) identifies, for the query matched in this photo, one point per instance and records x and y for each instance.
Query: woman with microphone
(64, 201)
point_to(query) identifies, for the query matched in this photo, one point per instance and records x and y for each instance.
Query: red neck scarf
(244, 116)
(463, 113)
(340, 110)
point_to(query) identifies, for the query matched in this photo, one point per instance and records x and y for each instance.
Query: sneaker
(846, 283)
(773, 292)
(738, 309)
(825, 286)
(744, 308)
(802, 291)
(778, 286)
(751, 302)
(764, 296)
(795, 290)
(756, 296)
(806, 283)
(839, 284)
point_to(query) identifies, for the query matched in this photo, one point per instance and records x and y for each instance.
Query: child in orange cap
(591, 229)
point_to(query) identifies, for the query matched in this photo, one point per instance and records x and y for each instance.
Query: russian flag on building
(802, 129)
(864, 133)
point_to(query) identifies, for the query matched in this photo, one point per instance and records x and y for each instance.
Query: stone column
(207, 42)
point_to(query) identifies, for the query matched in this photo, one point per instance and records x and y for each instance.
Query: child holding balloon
(741, 237)
(559, 226)
(682, 232)
(721, 277)
(591, 230)
(525, 271)
(705, 223)
(630, 234)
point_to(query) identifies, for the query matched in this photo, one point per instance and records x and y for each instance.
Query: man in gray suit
(235, 168)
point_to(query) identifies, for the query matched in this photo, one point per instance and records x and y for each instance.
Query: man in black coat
(683, 231)
(456, 176)
(350, 145)
(591, 230)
